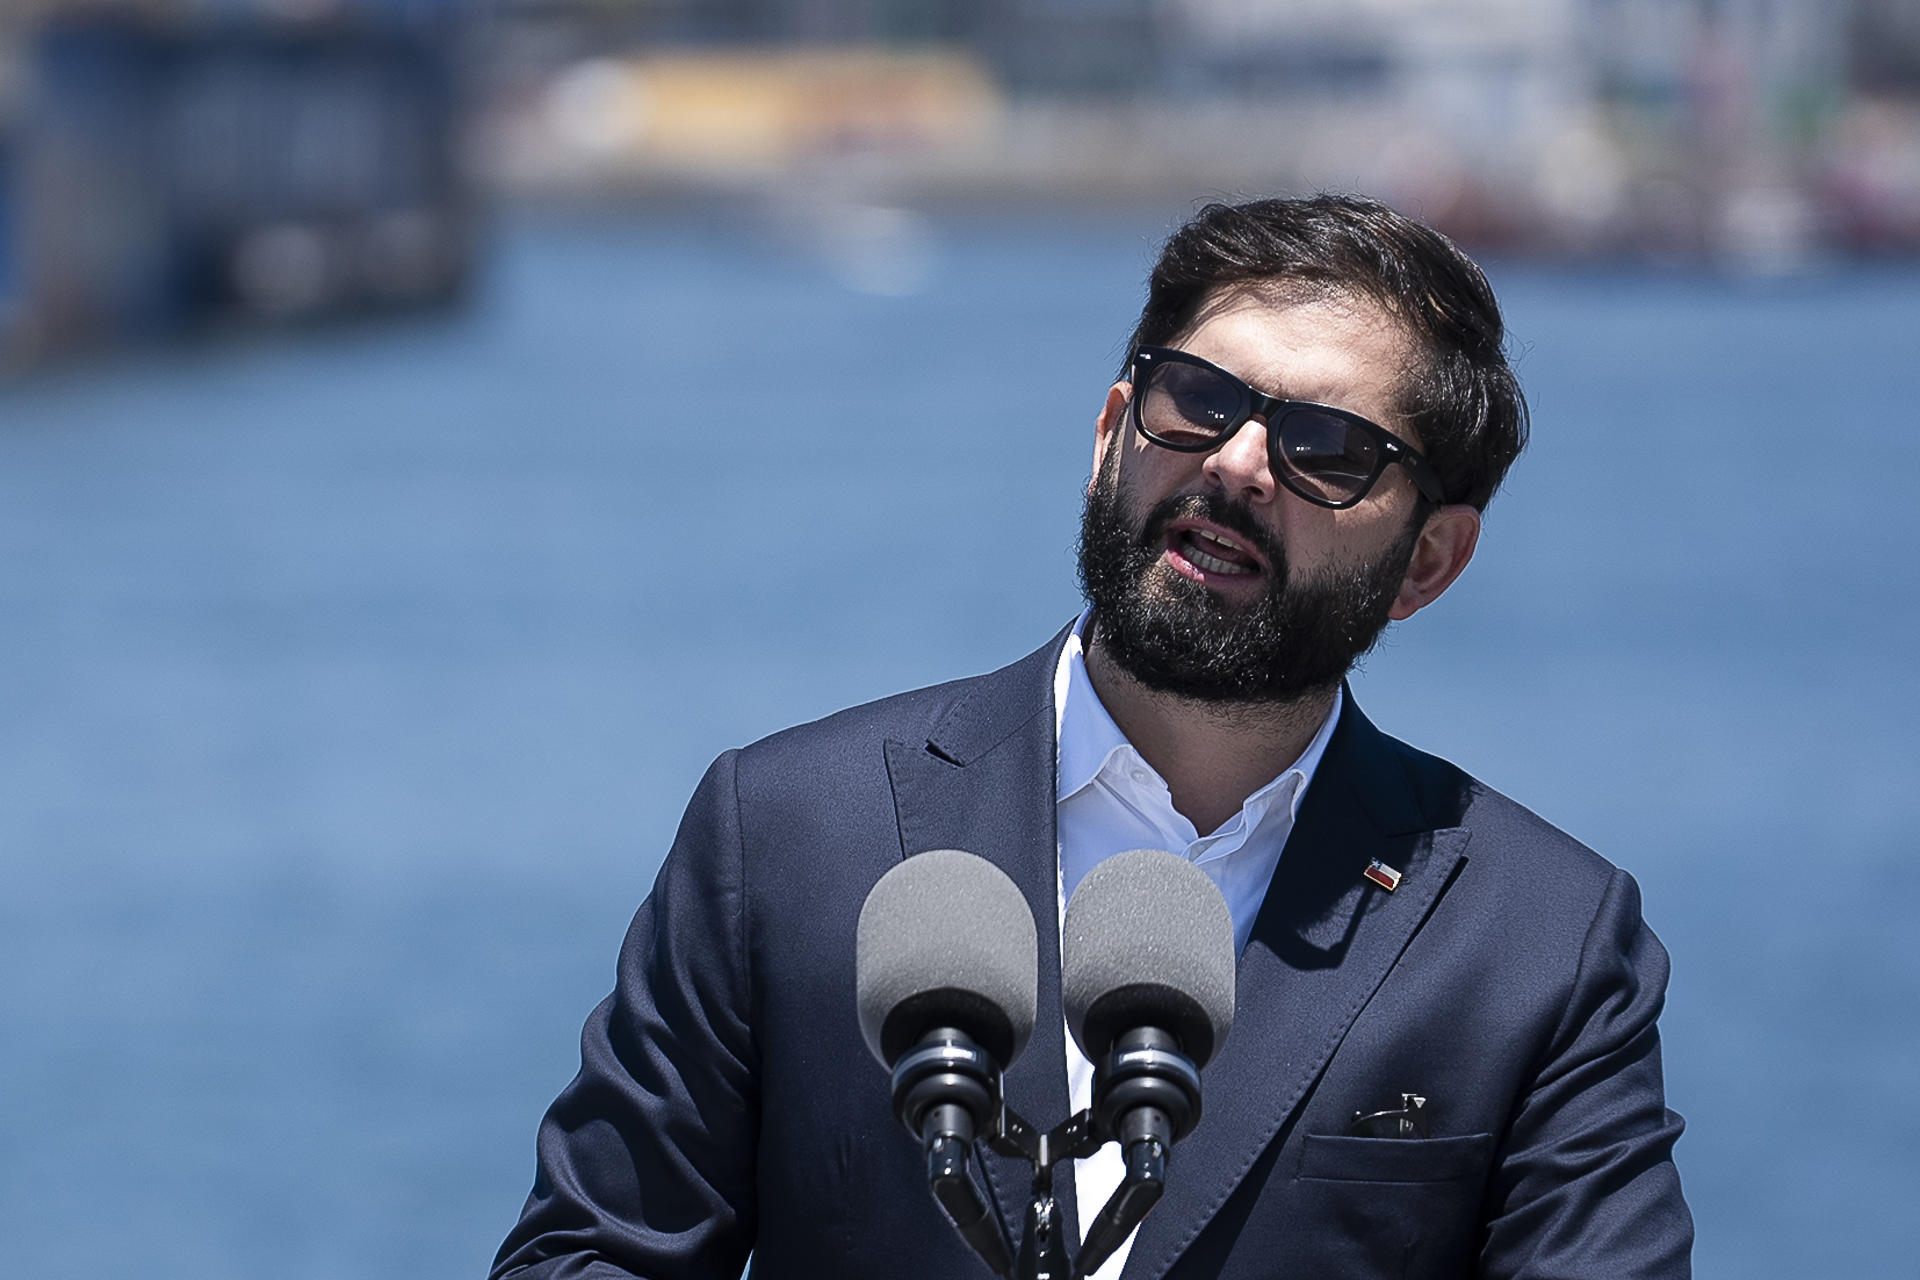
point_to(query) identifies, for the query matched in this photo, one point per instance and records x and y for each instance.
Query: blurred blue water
(351, 684)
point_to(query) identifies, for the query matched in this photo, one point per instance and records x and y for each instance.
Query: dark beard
(1175, 636)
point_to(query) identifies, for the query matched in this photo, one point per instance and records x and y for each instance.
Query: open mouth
(1215, 555)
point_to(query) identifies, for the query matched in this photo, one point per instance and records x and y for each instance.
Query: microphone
(946, 974)
(1146, 975)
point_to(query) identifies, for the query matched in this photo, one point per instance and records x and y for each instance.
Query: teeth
(1213, 564)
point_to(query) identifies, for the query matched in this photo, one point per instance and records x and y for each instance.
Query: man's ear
(1110, 425)
(1444, 547)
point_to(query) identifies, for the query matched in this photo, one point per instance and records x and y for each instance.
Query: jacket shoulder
(956, 717)
(1505, 835)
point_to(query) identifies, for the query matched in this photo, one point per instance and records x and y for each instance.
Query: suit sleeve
(1586, 1185)
(647, 1159)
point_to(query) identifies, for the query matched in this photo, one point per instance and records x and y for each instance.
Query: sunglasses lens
(1185, 406)
(1327, 457)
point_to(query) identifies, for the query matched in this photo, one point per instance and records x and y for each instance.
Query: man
(1314, 411)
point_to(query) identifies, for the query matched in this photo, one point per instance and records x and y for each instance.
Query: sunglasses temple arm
(1425, 478)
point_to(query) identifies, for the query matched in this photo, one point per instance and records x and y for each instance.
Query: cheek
(1370, 530)
(1147, 469)
(1319, 540)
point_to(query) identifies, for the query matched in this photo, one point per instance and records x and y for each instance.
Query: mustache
(1218, 508)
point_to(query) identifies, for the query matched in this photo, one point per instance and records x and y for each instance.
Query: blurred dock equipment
(734, 114)
(12, 297)
(169, 163)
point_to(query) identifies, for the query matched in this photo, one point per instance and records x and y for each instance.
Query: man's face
(1208, 578)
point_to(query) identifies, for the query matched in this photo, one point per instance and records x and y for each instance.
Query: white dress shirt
(1111, 800)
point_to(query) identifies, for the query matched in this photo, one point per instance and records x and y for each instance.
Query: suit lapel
(983, 781)
(1323, 942)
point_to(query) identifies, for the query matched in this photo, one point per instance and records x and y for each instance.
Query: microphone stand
(946, 1086)
(1043, 1253)
(1043, 1238)
(1043, 1246)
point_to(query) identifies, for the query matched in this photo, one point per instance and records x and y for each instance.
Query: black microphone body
(945, 1091)
(1146, 1088)
(1147, 965)
(946, 962)
(1146, 1097)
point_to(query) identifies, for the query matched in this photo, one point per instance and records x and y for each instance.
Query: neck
(1213, 755)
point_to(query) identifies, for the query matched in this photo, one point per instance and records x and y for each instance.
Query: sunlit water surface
(351, 684)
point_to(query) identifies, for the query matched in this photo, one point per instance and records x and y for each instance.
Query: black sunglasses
(1328, 456)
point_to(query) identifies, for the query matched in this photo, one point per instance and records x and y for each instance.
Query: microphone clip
(1043, 1240)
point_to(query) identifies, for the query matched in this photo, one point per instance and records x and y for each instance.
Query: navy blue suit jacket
(726, 1102)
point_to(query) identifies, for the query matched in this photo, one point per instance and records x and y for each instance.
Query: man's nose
(1241, 466)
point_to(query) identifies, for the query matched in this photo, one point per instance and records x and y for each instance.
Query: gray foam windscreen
(1148, 941)
(946, 939)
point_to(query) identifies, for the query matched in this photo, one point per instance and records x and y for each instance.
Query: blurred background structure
(167, 165)
(388, 537)
(164, 161)
(1763, 131)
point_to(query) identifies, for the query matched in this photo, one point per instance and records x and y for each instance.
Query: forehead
(1339, 349)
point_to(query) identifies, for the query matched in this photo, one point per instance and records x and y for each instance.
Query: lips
(1213, 552)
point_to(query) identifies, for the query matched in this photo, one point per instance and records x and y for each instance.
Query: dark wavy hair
(1462, 397)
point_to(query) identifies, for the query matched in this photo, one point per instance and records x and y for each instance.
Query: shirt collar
(1087, 740)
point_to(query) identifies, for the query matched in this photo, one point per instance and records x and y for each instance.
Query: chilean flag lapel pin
(1383, 875)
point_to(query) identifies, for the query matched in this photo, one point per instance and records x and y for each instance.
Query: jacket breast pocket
(1399, 1207)
(1395, 1159)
